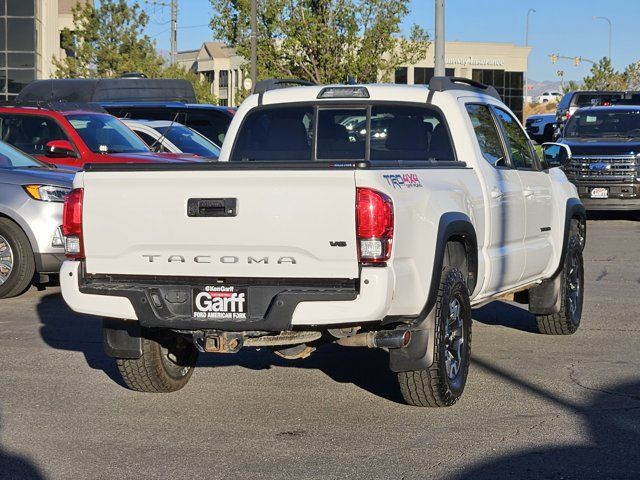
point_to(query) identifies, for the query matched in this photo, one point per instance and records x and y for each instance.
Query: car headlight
(47, 193)
(537, 120)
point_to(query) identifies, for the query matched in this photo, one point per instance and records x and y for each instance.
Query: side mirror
(59, 149)
(555, 155)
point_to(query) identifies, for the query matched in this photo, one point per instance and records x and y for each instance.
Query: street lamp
(526, 44)
(610, 29)
(526, 35)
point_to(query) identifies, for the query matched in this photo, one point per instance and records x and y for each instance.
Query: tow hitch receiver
(223, 342)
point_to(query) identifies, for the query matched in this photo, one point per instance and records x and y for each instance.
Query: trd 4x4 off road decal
(407, 180)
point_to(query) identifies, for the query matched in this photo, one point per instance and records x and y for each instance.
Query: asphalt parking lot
(534, 407)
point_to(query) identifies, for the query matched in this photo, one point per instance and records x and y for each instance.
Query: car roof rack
(276, 83)
(442, 84)
(55, 106)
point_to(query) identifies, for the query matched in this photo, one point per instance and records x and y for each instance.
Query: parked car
(549, 97)
(572, 101)
(541, 127)
(605, 144)
(295, 239)
(173, 137)
(31, 200)
(76, 137)
(152, 99)
(210, 120)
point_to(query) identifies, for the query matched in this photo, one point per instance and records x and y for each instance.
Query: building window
(223, 102)
(224, 78)
(210, 76)
(401, 75)
(508, 84)
(17, 46)
(422, 75)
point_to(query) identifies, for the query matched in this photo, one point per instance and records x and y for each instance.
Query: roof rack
(277, 83)
(442, 84)
(55, 106)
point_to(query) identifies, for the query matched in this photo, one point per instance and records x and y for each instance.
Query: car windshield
(11, 157)
(106, 134)
(189, 141)
(604, 124)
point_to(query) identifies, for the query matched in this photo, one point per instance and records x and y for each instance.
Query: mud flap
(121, 338)
(418, 355)
(546, 298)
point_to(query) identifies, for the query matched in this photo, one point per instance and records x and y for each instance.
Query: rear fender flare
(418, 354)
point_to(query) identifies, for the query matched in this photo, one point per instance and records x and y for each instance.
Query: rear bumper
(273, 305)
(49, 262)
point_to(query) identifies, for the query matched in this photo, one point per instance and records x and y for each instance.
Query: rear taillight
(72, 224)
(374, 224)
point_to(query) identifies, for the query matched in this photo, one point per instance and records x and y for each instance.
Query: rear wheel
(166, 364)
(442, 384)
(17, 264)
(567, 320)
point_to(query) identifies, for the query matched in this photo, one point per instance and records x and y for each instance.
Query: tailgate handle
(212, 207)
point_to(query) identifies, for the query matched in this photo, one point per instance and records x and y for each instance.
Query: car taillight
(374, 224)
(72, 224)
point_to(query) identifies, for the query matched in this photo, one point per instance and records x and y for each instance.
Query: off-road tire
(166, 364)
(567, 320)
(433, 387)
(24, 264)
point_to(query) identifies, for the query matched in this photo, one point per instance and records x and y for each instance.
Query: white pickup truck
(366, 215)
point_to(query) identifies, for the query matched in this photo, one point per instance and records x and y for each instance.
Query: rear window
(594, 99)
(289, 133)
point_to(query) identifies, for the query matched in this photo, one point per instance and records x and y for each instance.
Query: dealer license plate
(599, 193)
(220, 302)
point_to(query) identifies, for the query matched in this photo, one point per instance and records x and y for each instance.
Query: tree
(632, 76)
(604, 77)
(323, 41)
(107, 41)
(201, 86)
(571, 86)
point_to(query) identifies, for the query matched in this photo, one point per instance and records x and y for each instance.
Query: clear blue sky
(558, 26)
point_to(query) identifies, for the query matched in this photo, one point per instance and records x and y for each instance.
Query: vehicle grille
(622, 168)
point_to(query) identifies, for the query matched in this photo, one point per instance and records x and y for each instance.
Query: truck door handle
(497, 194)
(528, 192)
(211, 207)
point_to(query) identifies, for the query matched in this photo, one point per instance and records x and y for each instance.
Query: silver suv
(31, 202)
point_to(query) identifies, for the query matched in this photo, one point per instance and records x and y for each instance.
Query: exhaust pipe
(381, 339)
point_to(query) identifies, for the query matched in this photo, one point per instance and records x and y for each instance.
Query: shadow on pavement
(15, 467)
(506, 315)
(65, 329)
(612, 451)
(365, 368)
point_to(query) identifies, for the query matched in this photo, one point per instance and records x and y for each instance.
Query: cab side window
(522, 155)
(487, 134)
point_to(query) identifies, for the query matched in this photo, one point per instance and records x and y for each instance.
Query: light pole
(254, 44)
(439, 69)
(610, 30)
(526, 32)
(526, 44)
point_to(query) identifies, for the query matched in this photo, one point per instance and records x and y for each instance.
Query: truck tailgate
(286, 223)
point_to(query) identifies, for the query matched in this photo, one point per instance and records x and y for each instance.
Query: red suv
(76, 137)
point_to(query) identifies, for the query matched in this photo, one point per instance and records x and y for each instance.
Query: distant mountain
(536, 87)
